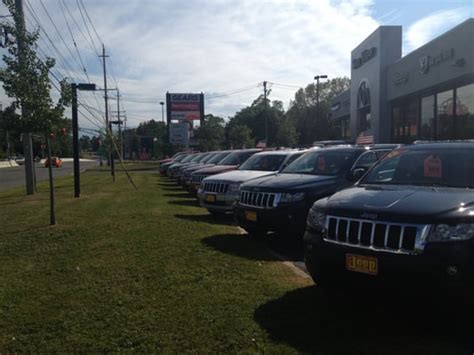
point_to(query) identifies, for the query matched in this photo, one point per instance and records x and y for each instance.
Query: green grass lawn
(150, 271)
(127, 269)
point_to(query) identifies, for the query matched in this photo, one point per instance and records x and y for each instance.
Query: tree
(25, 79)
(312, 122)
(85, 143)
(286, 135)
(256, 115)
(239, 136)
(210, 135)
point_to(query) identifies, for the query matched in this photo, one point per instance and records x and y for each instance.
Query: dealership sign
(185, 107)
(426, 62)
(179, 133)
(365, 56)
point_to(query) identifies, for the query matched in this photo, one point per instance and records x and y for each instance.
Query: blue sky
(220, 47)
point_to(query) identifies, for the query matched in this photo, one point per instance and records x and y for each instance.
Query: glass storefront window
(445, 114)
(396, 123)
(427, 117)
(464, 122)
(405, 121)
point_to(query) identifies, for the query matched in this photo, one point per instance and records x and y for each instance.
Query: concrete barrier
(8, 164)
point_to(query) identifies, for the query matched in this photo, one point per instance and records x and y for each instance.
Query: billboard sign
(184, 107)
(179, 133)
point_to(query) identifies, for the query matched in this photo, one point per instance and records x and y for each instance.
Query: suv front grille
(197, 178)
(258, 199)
(376, 235)
(215, 186)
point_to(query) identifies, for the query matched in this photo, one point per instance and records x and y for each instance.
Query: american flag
(365, 137)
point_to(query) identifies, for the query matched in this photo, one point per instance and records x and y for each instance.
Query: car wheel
(217, 214)
(257, 234)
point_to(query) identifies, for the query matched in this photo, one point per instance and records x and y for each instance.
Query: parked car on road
(56, 162)
(231, 162)
(217, 193)
(409, 219)
(281, 202)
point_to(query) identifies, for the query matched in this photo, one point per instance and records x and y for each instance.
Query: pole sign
(179, 133)
(184, 107)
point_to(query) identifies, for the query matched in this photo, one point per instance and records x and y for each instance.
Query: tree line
(300, 125)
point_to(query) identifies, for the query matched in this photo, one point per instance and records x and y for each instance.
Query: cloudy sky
(224, 48)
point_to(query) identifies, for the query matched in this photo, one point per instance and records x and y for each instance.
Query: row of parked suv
(364, 212)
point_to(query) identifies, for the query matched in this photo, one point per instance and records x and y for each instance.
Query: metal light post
(75, 133)
(162, 111)
(317, 77)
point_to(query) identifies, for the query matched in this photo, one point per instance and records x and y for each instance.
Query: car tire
(217, 214)
(257, 234)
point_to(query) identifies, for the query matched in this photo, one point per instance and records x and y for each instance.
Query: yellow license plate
(251, 216)
(210, 198)
(364, 264)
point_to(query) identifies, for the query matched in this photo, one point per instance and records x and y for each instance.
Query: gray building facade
(427, 94)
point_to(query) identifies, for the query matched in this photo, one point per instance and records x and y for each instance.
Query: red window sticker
(433, 167)
(321, 164)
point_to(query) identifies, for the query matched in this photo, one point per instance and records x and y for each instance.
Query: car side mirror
(357, 173)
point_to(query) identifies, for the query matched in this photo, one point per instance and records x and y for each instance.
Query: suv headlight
(316, 219)
(446, 233)
(292, 197)
(233, 188)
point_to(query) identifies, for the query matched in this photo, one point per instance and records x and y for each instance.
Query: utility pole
(75, 141)
(75, 133)
(119, 123)
(266, 112)
(107, 123)
(27, 138)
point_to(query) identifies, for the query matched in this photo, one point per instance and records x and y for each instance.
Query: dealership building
(427, 94)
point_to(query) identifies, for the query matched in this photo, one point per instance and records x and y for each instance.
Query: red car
(57, 163)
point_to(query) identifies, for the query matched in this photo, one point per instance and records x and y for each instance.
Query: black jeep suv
(281, 202)
(410, 219)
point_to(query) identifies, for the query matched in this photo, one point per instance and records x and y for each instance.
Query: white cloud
(427, 28)
(215, 46)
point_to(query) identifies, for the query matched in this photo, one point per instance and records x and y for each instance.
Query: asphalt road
(15, 177)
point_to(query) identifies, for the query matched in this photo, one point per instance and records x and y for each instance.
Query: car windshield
(236, 158)
(207, 157)
(180, 158)
(264, 162)
(197, 158)
(218, 157)
(188, 158)
(323, 162)
(425, 167)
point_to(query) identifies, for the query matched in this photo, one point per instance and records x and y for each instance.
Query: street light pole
(317, 77)
(162, 111)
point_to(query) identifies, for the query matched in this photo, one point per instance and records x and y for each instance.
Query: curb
(299, 269)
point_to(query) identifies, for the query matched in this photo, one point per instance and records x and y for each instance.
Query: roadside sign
(179, 133)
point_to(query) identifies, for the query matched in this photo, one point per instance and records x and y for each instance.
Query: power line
(92, 24)
(91, 45)
(87, 28)
(65, 63)
(74, 42)
(57, 30)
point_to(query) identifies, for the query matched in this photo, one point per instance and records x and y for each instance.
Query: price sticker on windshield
(433, 167)
(321, 164)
